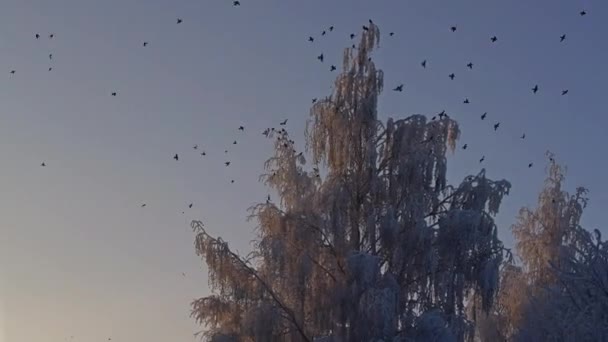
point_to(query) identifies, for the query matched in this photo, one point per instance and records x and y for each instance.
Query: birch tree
(369, 243)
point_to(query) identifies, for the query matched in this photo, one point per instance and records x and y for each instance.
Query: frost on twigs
(380, 248)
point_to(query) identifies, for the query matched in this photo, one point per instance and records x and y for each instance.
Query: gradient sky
(79, 257)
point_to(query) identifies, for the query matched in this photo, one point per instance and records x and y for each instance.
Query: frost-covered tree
(575, 308)
(368, 244)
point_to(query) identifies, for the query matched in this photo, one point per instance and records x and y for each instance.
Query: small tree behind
(379, 248)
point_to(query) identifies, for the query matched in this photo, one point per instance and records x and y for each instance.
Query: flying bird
(12, 72)
(283, 123)
(535, 89)
(470, 65)
(399, 88)
(453, 28)
(323, 33)
(50, 68)
(562, 37)
(179, 21)
(483, 116)
(145, 44)
(50, 56)
(195, 147)
(523, 136)
(496, 125)
(190, 205)
(143, 205)
(582, 13)
(482, 159)
(530, 165)
(43, 164)
(464, 147)
(332, 68)
(311, 39)
(37, 36)
(241, 128)
(352, 35)
(451, 76)
(365, 28)
(236, 3)
(176, 157)
(391, 34)
(564, 92)
(113, 93)
(227, 163)
(331, 28)
(320, 57)
(232, 181)
(466, 101)
(203, 153)
(494, 39)
(423, 63)
(51, 35)
(234, 142)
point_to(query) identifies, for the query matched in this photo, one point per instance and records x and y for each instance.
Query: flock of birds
(451, 76)
(282, 133)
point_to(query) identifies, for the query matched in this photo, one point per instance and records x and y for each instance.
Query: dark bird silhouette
(423, 63)
(483, 116)
(453, 28)
(391, 34)
(562, 37)
(399, 88)
(236, 3)
(50, 56)
(470, 65)
(241, 128)
(494, 39)
(114, 93)
(332, 68)
(143, 205)
(370, 21)
(464, 147)
(451, 76)
(523, 136)
(190, 205)
(564, 92)
(179, 21)
(227, 163)
(352, 35)
(311, 39)
(365, 28)
(530, 165)
(50, 68)
(331, 28)
(320, 57)
(496, 125)
(43, 164)
(535, 89)
(442, 114)
(582, 13)
(283, 123)
(232, 181)
(203, 153)
(37, 36)
(12, 72)
(482, 159)
(466, 101)
(145, 44)
(176, 157)
(234, 142)
(323, 33)
(51, 35)
(195, 147)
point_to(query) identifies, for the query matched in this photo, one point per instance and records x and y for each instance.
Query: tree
(377, 248)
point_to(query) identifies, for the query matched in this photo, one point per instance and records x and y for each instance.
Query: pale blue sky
(78, 256)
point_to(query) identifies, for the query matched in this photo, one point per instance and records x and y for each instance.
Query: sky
(80, 257)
